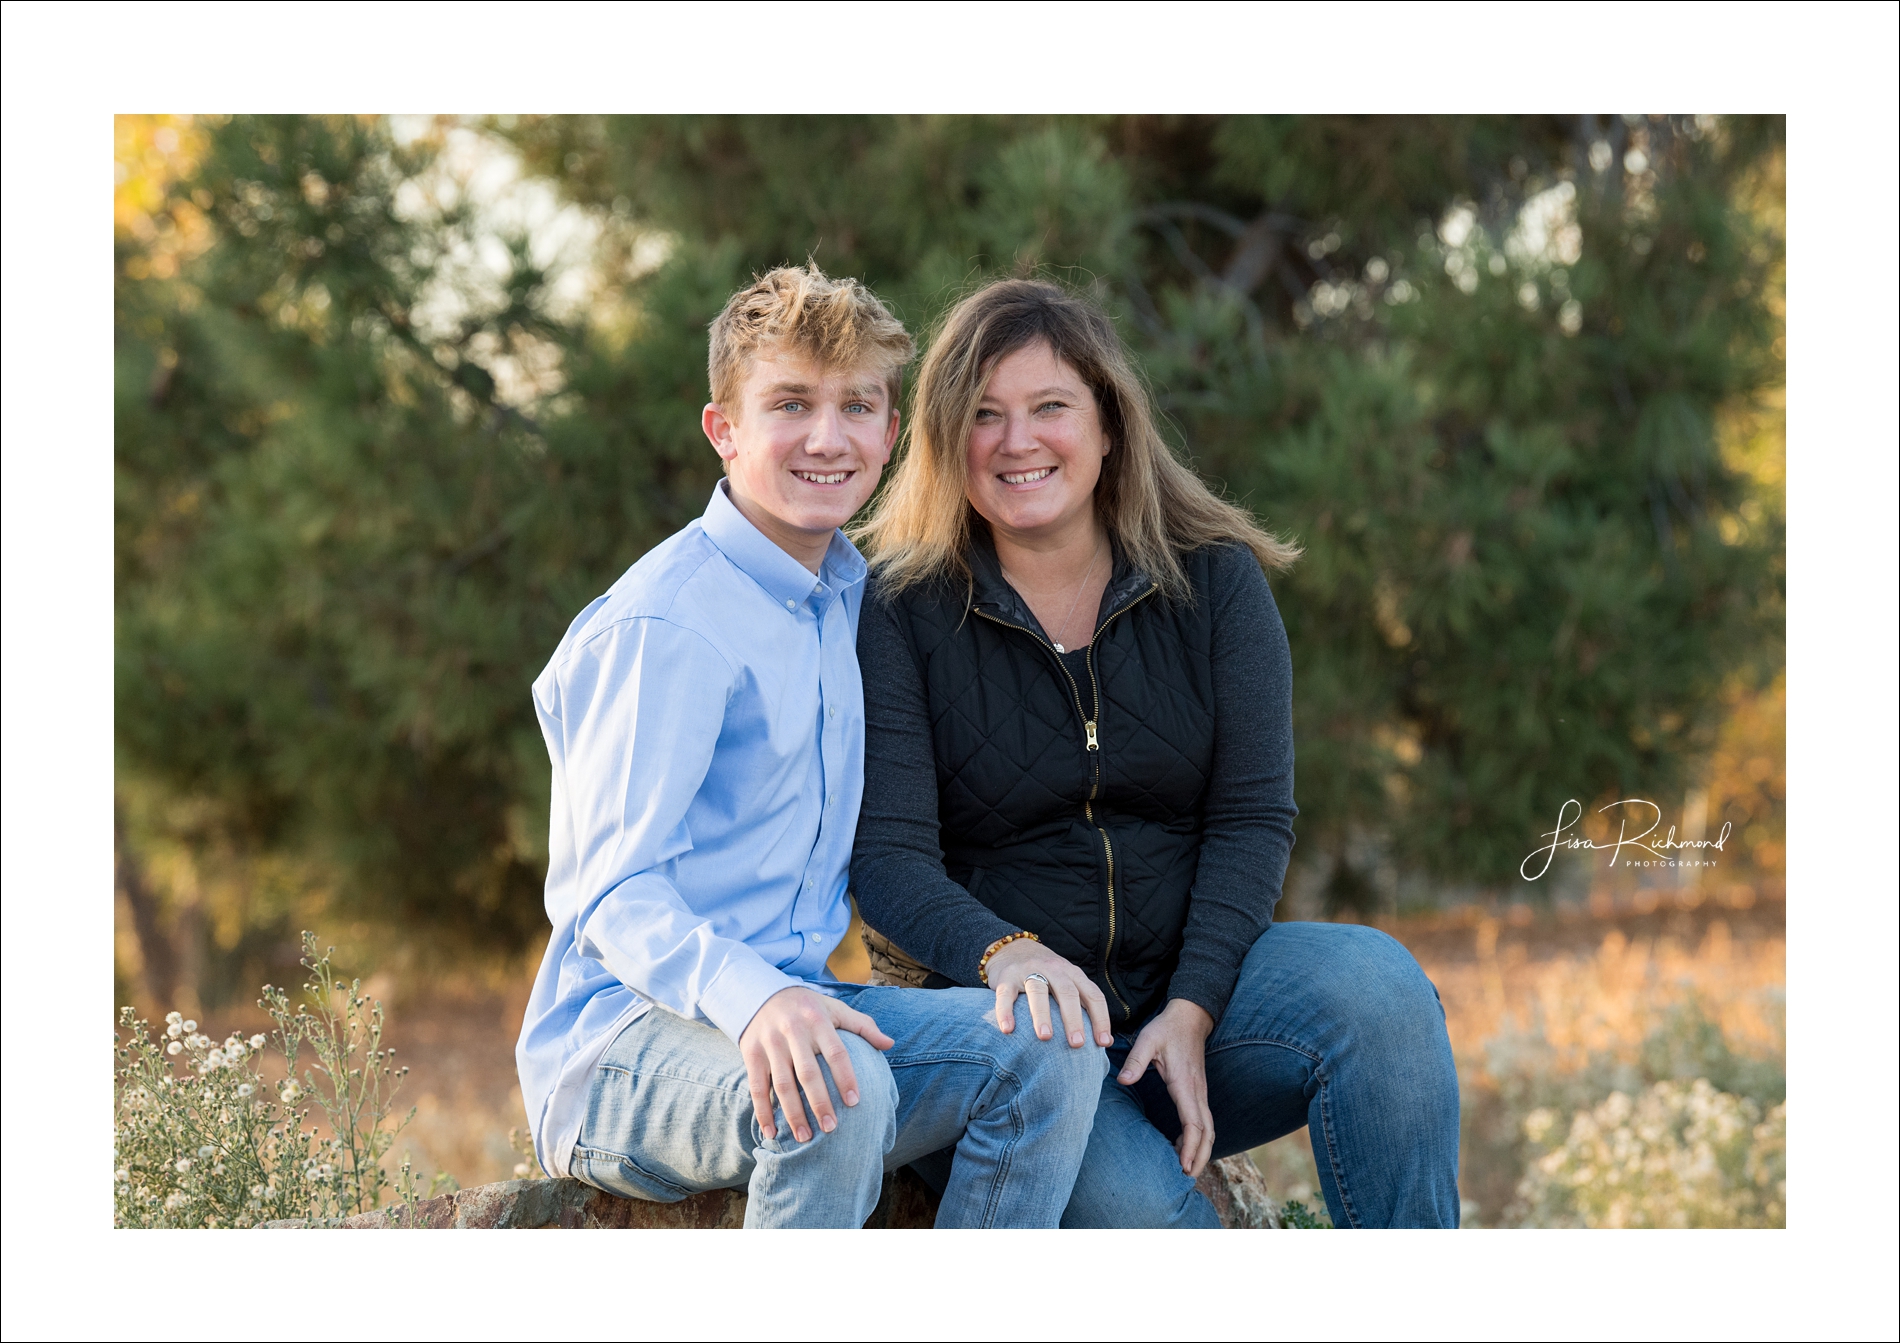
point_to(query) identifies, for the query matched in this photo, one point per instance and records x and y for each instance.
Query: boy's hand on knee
(781, 1046)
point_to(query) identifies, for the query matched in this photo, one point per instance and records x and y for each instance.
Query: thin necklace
(1073, 601)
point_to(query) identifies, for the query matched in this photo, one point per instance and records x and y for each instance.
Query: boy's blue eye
(793, 406)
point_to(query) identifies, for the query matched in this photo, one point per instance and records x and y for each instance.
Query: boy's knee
(872, 1122)
(876, 1087)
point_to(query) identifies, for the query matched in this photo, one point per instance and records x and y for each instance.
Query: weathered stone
(1233, 1185)
(1239, 1194)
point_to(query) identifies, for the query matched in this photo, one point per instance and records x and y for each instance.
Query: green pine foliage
(382, 438)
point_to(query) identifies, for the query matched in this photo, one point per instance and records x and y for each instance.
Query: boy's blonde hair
(838, 323)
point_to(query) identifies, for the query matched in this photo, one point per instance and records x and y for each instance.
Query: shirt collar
(759, 558)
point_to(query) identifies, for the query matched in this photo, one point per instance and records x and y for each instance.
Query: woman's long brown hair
(1155, 507)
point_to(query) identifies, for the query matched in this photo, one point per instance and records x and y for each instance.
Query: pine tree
(377, 444)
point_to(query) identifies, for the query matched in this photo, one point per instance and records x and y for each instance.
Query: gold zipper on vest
(1088, 724)
(1093, 745)
(1108, 849)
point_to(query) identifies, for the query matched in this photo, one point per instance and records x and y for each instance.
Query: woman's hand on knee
(1012, 972)
(1176, 1043)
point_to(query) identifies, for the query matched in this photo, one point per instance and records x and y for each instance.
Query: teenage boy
(705, 721)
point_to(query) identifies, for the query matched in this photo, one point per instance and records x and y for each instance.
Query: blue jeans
(1331, 1025)
(670, 1115)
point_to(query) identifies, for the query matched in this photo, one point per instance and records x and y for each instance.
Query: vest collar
(991, 592)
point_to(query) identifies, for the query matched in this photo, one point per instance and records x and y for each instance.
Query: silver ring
(1043, 978)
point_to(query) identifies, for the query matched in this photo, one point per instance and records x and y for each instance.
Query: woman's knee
(1350, 979)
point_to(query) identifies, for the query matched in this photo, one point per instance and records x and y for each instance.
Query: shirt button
(817, 937)
(790, 605)
(808, 883)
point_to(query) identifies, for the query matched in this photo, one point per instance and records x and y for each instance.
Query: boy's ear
(718, 431)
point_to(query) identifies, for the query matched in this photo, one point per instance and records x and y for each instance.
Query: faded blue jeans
(670, 1115)
(1331, 1025)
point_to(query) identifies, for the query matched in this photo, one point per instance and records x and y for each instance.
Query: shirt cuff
(1208, 987)
(739, 990)
(970, 943)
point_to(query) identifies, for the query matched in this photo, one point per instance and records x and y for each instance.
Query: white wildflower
(173, 1018)
(291, 1091)
(258, 1042)
(182, 1165)
(245, 1089)
(174, 1048)
(174, 1030)
(190, 1025)
(207, 1151)
(122, 1175)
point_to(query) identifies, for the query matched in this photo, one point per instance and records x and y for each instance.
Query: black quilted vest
(1071, 806)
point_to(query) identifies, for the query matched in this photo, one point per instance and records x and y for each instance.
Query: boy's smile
(803, 449)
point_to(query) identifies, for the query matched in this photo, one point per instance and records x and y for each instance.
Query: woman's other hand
(1009, 972)
(1176, 1043)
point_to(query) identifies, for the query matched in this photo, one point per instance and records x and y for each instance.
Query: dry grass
(1583, 984)
(1542, 1005)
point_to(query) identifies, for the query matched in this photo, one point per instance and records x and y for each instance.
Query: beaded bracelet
(983, 966)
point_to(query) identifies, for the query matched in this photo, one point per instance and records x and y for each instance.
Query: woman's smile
(1025, 479)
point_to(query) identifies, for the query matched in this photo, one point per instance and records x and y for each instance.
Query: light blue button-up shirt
(705, 721)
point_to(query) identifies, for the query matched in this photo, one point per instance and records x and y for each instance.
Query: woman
(1079, 786)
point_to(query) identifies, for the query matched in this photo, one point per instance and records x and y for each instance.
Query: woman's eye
(1049, 405)
(983, 416)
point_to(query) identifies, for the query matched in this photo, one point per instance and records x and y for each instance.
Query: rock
(1239, 1194)
(528, 1205)
(1232, 1184)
